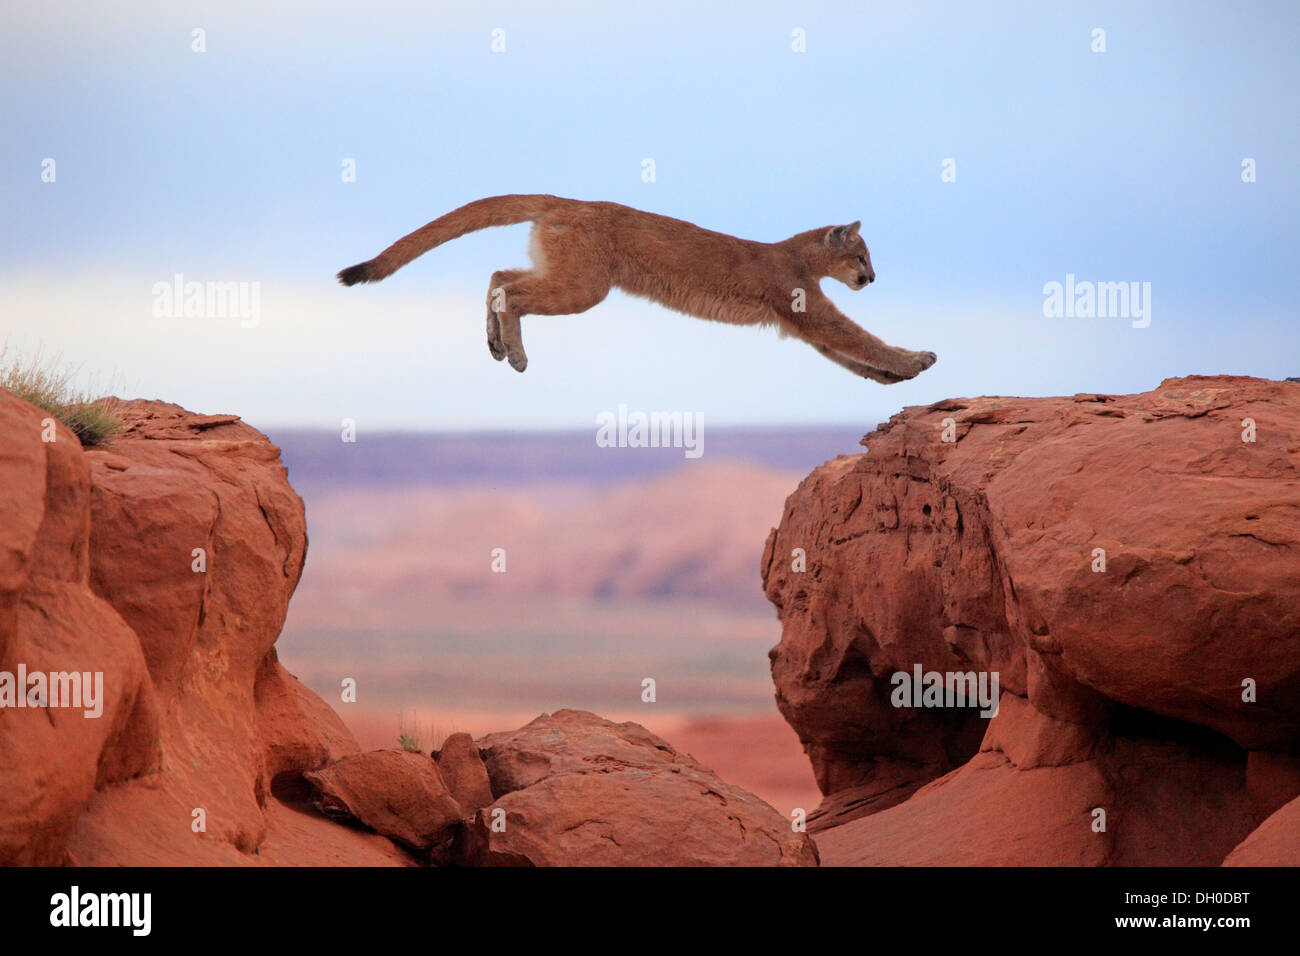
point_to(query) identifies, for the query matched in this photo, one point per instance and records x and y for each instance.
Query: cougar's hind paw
(495, 344)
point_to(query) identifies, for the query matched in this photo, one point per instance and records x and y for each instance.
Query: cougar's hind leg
(534, 294)
(495, 304)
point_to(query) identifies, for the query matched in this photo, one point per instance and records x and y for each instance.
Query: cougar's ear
(837, 236)
(854, 228)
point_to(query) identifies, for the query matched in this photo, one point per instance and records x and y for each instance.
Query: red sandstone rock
(462, 770)
(1122, 688)
(576, 790)
(394, 792)
(166, 560)
(296, 727)
(52, 759)
(1030, 798)
(97, 574)
(572, 741)
(1273, 779)
(977, 554)
(297, 837)
(1275, 842)
(174, 482)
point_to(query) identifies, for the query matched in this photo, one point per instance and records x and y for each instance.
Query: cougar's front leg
(857, 368)
(823, 324)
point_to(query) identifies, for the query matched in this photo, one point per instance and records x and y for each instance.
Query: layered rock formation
(1130, 568)
(165, 563)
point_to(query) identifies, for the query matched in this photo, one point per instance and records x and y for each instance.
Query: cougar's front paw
(918, 362)
(518, 361)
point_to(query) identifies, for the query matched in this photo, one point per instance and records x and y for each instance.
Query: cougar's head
(849, 259)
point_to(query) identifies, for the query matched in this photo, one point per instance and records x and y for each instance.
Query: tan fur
(580, 250)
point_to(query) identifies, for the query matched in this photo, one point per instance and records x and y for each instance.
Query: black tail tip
(358, 273)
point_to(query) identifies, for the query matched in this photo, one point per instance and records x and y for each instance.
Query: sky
(988, 149)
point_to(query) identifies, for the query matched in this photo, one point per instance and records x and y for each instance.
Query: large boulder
(461, 767)
(573, 789)
(397, 793)
(1127, 565)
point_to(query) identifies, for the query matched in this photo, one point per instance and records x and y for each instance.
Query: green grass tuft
(415, 735)
(48, 386)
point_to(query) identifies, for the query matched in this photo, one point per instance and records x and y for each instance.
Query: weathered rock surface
(165, 561)
(461, 767)
(573, 789)
(1032, 794)
(52, 759)
(972, 536)
(397, 793)
(1275, 842)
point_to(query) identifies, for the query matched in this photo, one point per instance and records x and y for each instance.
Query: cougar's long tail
(480, 214)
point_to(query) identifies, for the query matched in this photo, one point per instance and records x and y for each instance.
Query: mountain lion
(580, 250)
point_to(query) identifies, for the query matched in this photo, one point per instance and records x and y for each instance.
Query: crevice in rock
(1135, 723)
